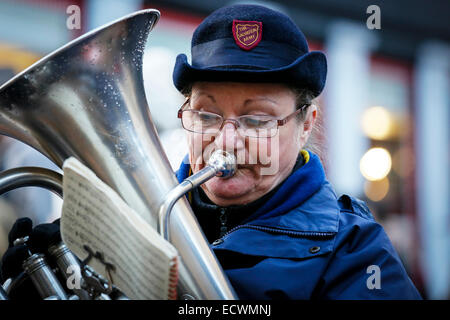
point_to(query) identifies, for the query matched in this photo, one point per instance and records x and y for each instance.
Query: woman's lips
(238, 172)
(245, 166)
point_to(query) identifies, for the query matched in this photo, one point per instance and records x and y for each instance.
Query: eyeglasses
(257, 126)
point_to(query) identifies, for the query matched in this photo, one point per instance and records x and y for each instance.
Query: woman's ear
(308, 124)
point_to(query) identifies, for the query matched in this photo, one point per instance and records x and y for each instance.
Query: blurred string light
(403, 161)
(376, 190)
(375, 164)
(377, 123)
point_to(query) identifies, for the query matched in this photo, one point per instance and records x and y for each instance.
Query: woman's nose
(229, 138)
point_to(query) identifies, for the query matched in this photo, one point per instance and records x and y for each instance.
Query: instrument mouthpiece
(224, 163)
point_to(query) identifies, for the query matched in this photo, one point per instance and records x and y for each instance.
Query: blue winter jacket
(304, 243)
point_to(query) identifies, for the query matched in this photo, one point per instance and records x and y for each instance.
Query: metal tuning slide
(43, 278)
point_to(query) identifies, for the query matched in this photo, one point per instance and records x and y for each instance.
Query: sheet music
(95, 215)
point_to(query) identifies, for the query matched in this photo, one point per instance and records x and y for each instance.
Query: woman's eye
(207, 117)
(255, 122)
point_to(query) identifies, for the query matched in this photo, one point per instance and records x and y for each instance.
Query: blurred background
(384, 111)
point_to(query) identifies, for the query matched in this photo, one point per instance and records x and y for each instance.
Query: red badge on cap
(247, 34)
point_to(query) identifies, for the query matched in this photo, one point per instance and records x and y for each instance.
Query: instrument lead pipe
(221, 164)
(176, 193)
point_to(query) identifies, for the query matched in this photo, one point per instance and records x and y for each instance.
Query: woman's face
(262, 162)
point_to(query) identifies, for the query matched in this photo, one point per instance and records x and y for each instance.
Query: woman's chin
(232, 190)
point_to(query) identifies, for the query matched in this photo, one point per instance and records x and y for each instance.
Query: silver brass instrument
(87, 100)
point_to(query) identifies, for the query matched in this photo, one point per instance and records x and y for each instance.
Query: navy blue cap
(251, 43)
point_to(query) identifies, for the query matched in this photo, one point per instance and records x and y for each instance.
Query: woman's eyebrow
(208, 95)
(266, 107)
(259, 99)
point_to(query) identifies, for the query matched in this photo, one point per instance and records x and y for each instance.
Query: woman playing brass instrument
(276, 226)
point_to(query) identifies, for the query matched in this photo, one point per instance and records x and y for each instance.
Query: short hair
(304, 96)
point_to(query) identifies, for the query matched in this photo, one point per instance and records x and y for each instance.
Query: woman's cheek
(289, 147)
(200, 148)
(263, 151)
(195, 151)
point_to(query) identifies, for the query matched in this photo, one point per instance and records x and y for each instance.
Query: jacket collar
(319, 213)
(313, 224)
